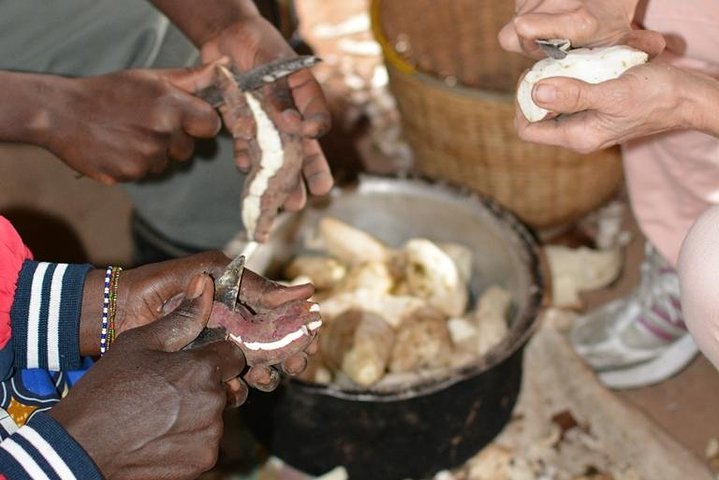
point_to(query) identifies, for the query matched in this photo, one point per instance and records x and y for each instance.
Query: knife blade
(259, 76)
(555, 47)
(227, 291)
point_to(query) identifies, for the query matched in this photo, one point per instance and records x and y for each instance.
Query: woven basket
(458, 118)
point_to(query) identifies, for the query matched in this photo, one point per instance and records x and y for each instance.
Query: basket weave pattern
(464, 133)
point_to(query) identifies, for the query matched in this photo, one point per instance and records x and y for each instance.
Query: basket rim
(395, 61)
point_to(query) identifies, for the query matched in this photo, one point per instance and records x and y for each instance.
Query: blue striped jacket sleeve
(46, 315)
(43, 449)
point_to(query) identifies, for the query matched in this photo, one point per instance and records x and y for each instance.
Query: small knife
(259, 76)
(227, 291)
(555, 48)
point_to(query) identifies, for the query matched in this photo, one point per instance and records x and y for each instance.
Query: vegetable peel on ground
(577, 269)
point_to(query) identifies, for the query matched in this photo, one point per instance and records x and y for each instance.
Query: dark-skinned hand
(298, 104)
(151, 291)
(123, 126)
(148, 409)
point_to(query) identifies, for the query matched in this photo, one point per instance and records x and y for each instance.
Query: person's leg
(698, 273)
(641, 339)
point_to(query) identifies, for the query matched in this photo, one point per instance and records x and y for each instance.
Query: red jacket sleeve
(13, 253)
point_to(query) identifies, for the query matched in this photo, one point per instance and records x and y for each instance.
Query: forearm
(201, 21)
(23, 106)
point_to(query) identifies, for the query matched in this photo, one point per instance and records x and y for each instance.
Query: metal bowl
(420, 428)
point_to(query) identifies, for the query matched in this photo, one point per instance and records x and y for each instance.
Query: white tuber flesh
(432, 274)
(391, 308)
(487, 325)
(359, 344)
(270, 144)
(491, 318)
(370, 276)
(350, 245)
(462, 256)
(323, 272)
(594, 65)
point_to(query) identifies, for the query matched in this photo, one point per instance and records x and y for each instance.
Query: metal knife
(227, 291)
(259, 76)
(556, 48)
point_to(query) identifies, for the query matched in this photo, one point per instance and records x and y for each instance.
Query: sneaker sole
(672, 361)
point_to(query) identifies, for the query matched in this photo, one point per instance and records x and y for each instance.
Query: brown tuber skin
(269, 311)
(422, 341)
(268, 184)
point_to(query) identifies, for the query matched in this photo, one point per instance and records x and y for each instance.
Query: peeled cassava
(592, 65)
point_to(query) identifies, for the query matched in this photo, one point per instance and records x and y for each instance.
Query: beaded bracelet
(105, 310)
(109, 306)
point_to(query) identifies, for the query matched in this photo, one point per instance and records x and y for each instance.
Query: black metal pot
(416, 431)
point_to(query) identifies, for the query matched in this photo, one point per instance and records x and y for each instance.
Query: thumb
(508, 39)
(184, 324)
(194, 79)
(563, 95)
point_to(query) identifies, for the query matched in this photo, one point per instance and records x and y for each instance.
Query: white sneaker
(641, 339)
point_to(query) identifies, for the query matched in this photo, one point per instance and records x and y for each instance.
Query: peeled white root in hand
(577, 269)
(593, 65)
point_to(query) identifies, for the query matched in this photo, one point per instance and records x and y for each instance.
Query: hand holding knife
(258, 77)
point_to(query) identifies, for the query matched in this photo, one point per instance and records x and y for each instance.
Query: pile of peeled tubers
(394, 316)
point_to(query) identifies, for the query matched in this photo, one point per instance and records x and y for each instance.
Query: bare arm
(24, 100)
(201, 21)
(115, 127)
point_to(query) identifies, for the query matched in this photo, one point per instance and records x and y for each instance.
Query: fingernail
(545, 93)
(196, 287)
(291, 115)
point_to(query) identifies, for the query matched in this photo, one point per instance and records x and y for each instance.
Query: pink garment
(13, 253)
(672, 178)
